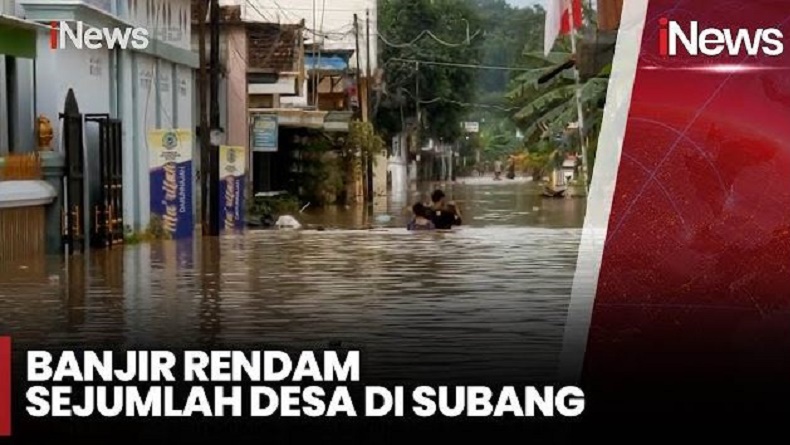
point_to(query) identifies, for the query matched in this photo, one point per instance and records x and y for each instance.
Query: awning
(326, 62)
(333, 121)
(18, 37)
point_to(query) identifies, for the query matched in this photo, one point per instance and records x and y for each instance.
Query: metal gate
(74, 207)
(108, 227)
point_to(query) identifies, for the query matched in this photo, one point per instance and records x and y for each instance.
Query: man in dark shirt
(444, 216)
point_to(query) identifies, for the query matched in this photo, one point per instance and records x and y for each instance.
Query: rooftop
(275, 47)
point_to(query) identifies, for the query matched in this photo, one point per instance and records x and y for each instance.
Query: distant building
(570, 167)
(329, 22)
(269, 69)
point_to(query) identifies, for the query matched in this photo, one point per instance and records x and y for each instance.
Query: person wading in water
(444, 215)
(420, 220)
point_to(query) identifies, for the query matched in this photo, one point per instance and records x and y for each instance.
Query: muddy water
(489, 295)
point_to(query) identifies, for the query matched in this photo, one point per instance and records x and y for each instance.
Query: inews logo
(83, 36)
(714, 42)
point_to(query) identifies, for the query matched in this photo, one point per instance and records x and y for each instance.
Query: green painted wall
(17, 42)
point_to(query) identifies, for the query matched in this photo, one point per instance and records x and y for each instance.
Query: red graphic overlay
(53, 35)
(695, 271)
(5, 386)
(663, 36)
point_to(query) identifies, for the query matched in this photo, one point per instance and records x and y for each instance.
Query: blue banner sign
(170, 162)
(232, 170)
(264, 133)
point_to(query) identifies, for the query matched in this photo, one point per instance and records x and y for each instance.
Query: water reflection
(490, 295)
(483, 202)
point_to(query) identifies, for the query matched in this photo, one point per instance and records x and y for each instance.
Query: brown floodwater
(491, 294)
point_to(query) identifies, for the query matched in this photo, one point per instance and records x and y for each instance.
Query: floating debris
(287, 222)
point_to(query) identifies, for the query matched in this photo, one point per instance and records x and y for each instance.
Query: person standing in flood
(444, 215)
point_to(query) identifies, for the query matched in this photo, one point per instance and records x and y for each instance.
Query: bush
(272, 206)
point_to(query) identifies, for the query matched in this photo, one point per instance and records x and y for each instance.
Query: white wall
(86, 71)
(171, 19)
(146, 121)
(184, 92)
(9, 7)
(167, 116)
(126, 110)
(332, 17)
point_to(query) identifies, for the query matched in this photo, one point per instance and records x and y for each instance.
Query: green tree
(508, 31)
(553, 104)
(430, 31)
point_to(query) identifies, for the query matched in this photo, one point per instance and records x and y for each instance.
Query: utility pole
(202, 84)
(419, 117)
(359, 71)
(362, 116)
(213, 186)
(368, 73)
(579, 107)
(367, 101)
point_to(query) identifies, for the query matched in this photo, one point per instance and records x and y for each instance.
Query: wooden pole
(369, 163)
(214, 123)
(359, 71)
(579, 106)
(202, 85)
(360, 111)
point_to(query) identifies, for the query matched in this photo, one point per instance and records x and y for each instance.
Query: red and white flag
(558, 20)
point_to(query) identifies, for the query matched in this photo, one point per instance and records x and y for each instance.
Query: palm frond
(535, 107)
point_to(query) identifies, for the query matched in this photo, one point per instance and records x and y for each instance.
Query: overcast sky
(531, 2)
(524, 2)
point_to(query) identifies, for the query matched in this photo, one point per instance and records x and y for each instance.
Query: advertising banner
(170, 164)
(232, 170)
(264, 133)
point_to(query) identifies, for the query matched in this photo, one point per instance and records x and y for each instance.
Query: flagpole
(579, 107)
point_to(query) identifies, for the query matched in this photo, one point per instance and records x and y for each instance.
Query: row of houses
(297, 65)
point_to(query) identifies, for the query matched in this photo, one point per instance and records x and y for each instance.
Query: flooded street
(489, 295)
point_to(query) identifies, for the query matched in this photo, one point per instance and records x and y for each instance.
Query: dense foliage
(519, 120)
(434, 31)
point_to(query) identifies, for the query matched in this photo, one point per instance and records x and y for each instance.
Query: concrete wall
(171, 20)
(237, 99)
(84, 70)
(9, 7)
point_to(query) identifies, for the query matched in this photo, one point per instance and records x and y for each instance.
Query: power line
(462, 65)
(431, 35)
(309, 9)
(264, 16)
(463, 104)
(258, 8)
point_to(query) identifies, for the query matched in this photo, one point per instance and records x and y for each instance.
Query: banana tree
(544, 109)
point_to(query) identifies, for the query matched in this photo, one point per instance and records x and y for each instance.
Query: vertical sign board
(170, 162)
(264, 133)
(232, 170)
